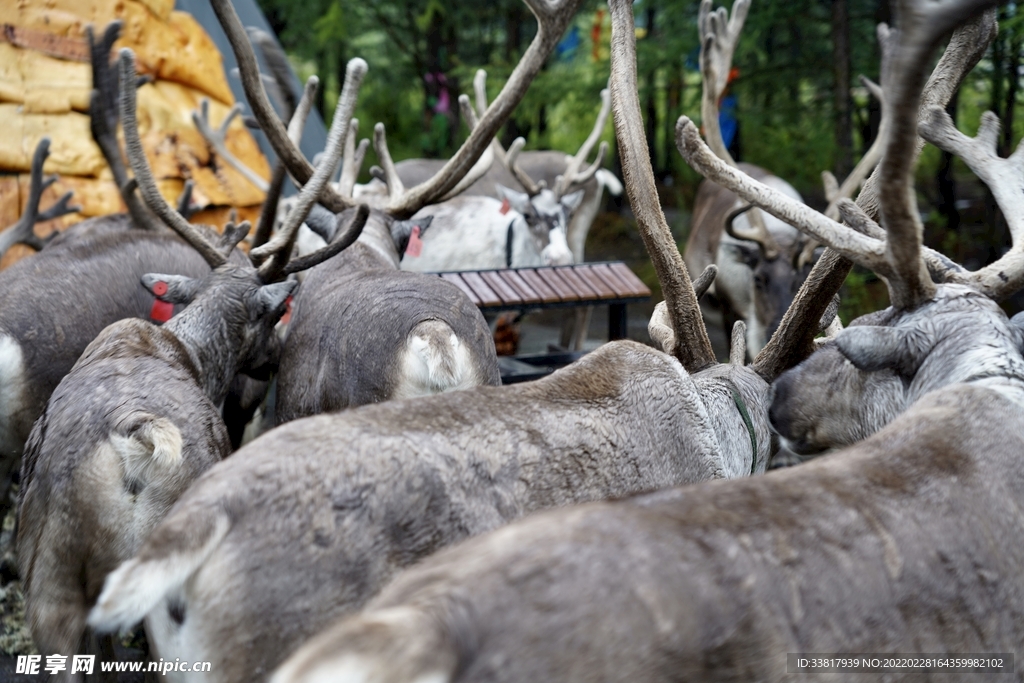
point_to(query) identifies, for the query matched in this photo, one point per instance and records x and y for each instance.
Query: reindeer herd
(411, 520)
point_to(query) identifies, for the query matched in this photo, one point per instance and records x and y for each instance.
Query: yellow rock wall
(45, 83)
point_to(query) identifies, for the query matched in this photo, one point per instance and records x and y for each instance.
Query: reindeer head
(934, 334)
(228, 323)
(548, 211)
(547, 217)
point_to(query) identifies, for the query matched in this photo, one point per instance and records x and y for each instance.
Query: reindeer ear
(270, 298)
(174, 289)
(520, 201)
(872, 348)
(571, 202)
(322, 222)
(401, 231)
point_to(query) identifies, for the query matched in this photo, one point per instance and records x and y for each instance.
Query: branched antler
(103, 119)
(218, 140)
(23, 231)
(277, 250)
(143, 175)
(573, 175)
(794, 339)
(275, 256)
(1005, 179)
(719, 34)
(396, 189)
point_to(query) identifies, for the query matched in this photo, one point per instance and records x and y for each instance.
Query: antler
(793, 340)
(287, 150)
(353, 159)
(218, 140)
(480, 89)
(276, 251)
(552, 18)
(22, 231)
(692, 346)
(1003, 178)
(512, 164)
(396, 189)
(268, 214)
(144, 177)
(103, 115)
(572, 175)
(276, 254)
(719, 34)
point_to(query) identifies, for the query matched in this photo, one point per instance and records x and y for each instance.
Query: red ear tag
(505, 206)
(287, 311)
(415, 247)
(161, 311)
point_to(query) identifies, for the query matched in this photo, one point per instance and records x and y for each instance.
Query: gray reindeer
(264, 551)
(55, 303)
(136, 420)
(896, 544)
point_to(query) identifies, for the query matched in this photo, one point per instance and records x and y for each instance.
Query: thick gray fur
(53, 304)
(308, 522)
(355, 320)
(896, 545)
(828, 402)
(124, 434)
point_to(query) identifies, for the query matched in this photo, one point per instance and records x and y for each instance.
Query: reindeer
(85, 278)
(762, 261)
(556, 223)
(368, 491)
(361, 330)
(862, 551)
(136, 419)
(523, 177)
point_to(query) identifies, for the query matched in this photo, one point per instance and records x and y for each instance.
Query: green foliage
(785, 90)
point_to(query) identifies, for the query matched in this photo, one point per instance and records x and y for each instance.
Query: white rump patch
(132, 590)
(149, 451)
(434, 361)
(12, 386)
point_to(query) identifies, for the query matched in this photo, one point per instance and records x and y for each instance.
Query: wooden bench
(610, 284)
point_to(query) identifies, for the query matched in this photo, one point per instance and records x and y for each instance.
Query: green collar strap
(745, 414)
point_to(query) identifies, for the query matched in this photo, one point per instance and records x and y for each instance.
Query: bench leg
(617, 322)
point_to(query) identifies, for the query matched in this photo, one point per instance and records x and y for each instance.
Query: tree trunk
(651, 100)
(673, 107)
(1012, 89)
(946, 182)
(842, 101)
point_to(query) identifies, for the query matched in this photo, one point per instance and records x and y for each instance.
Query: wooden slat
(546, 293)
(501, 288)
(594, 281)
(638, 288)
(517, 283)
(555, 281)
(611, 279)
(571, 275)
(486, 294)
(457, 281)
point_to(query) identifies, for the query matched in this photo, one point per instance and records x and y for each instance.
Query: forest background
(800, 106)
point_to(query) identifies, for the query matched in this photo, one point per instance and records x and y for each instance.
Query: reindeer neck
(377, 237)
(207, 338)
